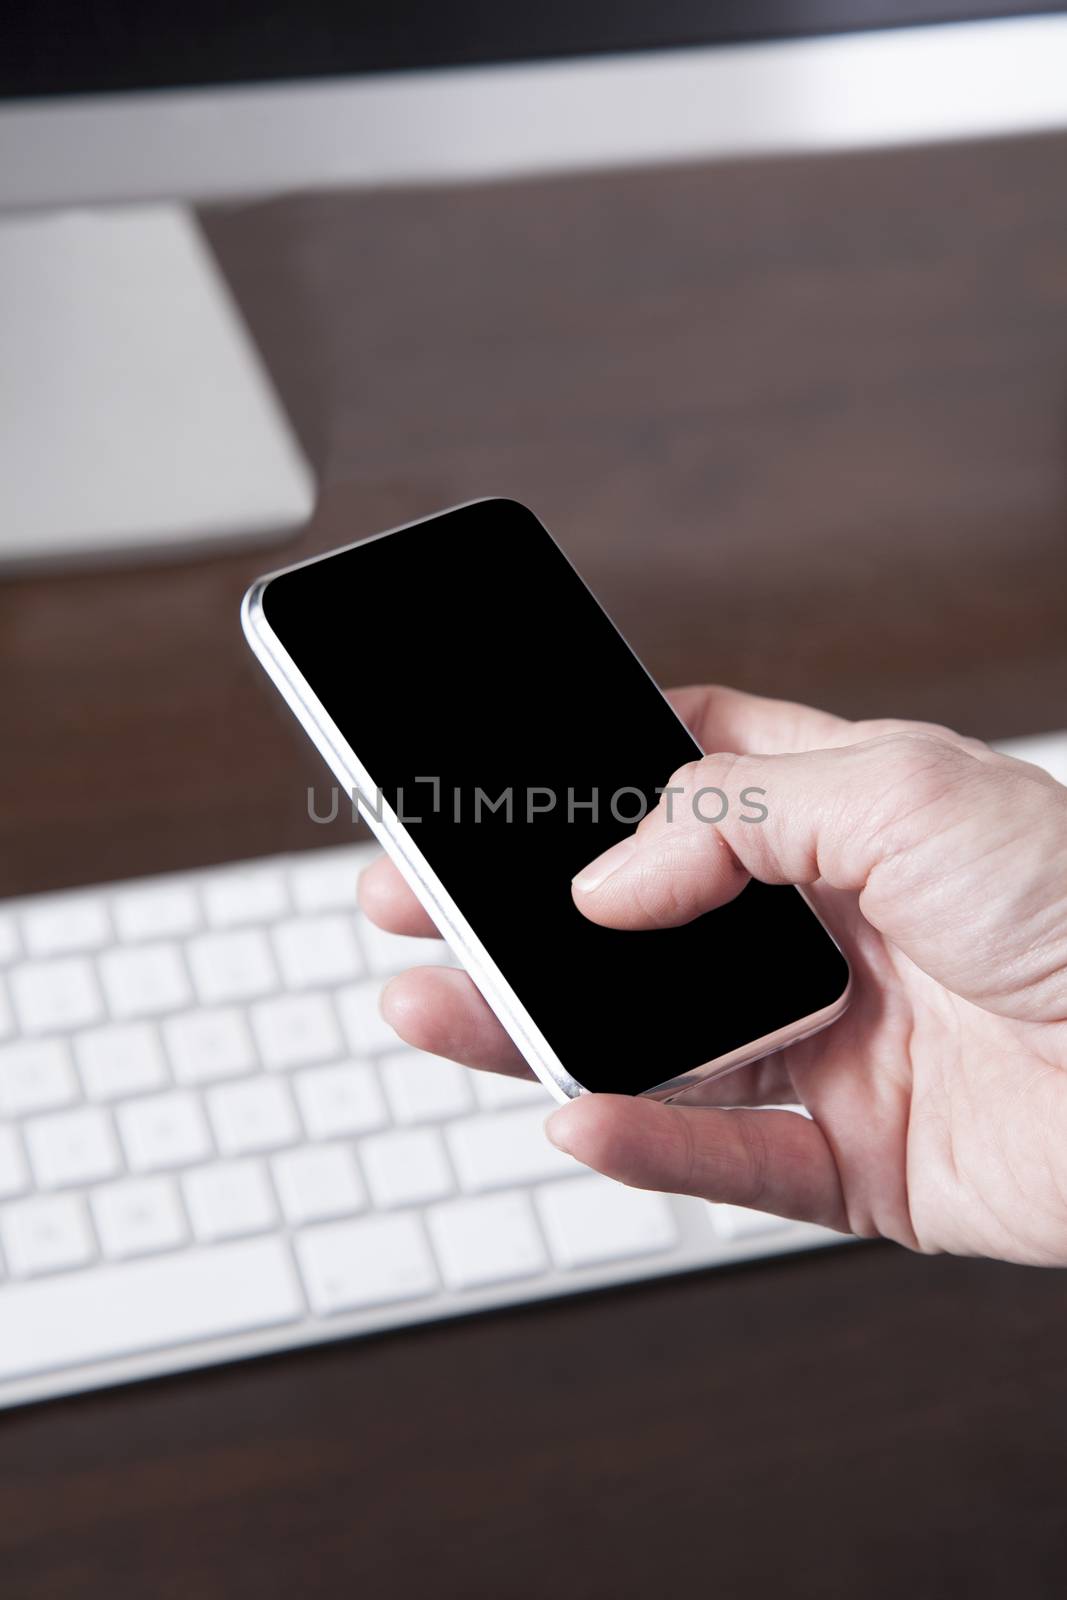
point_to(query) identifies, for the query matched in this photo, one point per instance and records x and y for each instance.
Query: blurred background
(763, 309)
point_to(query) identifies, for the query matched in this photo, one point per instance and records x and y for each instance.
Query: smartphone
(497, 733)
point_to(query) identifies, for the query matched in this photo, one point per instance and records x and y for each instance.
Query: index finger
(750, 724)
(385, 898)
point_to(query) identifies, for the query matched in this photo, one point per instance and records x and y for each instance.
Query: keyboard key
(71, 1147)
(165, 1130)
(484, 1241)
(138, 1217)
(392, 952)
(35, 1075)
(228, 1199)
(338, 1101)
(593, 1220)
(254, 1115)
(364, 1263)
(207, 1045)
(738, 1222)
(254, 895)
(48, 1234)
(55, 995)
(326, 881)
(14, 1177)
(501, 1148)
(156, 911)
(423, 1088)
(120, 1060)
(296, 1030)
(144, 980)
(9, 941)
(316, 951)
(495, 1092)
(317, 1183)
(365, 1028)
(406, 1168)
(62, 927)
(231, 966)
(145, 1305)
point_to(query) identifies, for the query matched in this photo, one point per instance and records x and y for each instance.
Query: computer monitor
(143, 418)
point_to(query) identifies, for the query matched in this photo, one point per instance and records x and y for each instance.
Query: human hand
(938, 1103)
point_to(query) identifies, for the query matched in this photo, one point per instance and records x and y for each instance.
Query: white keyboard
(211, 1146)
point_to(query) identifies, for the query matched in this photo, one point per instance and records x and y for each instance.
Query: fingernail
(556, 1127)
(385, 997)
(598, 871)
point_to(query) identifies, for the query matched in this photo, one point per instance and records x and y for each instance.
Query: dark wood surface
(803, 426)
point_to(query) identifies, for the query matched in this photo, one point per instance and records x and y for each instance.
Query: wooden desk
(803, 425)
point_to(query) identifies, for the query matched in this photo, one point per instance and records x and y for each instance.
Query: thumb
(958, 855)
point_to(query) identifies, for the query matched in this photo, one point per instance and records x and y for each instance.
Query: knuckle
(922, 763)
(885, 727)
(710, 771)
(756, 1155)
(664, 894)
(685, 777)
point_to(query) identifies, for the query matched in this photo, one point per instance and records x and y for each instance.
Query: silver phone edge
(431, 892)
(397, 842)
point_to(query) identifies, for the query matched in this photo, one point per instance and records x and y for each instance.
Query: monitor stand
(136, 417)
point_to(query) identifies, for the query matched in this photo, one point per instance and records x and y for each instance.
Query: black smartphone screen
(466, 650)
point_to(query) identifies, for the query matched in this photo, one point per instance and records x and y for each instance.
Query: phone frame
(398, 842)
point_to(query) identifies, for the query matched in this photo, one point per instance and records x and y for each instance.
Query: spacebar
(109, 1312)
